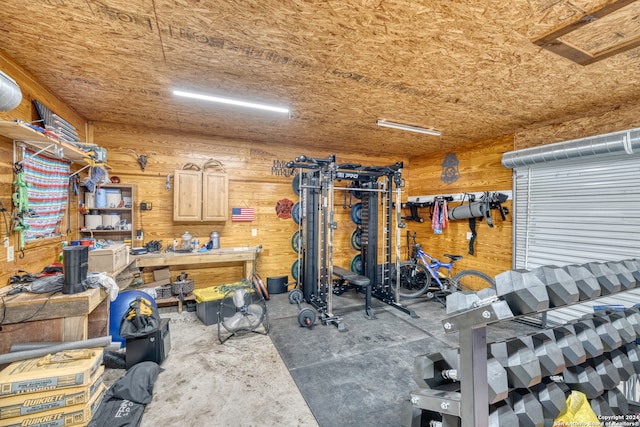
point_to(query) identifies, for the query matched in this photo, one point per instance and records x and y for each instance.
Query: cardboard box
(160, 277)
(162, 274)
(66, 416)
(71, 368)
(33, 403)
(109, 259)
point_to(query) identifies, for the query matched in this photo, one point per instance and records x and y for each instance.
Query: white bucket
(114, 197)
(90, 200)
(92, 221)
(110, 219)
(101, 198)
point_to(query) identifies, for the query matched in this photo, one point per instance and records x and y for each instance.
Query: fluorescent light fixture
(230, 101)
(408, 127)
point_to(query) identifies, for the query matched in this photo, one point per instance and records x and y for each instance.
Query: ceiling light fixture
(408, 127)
(230, 101)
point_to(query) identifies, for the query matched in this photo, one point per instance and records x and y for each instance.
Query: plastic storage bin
(208, 303)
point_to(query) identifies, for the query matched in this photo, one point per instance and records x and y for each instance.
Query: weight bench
(352, 279)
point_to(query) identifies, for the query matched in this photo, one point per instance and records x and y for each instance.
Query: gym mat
(361, 376)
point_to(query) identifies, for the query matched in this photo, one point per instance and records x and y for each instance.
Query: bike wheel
(414, 279)
(472, 280)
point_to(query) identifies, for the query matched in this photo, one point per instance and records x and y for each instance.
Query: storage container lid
(214, 293)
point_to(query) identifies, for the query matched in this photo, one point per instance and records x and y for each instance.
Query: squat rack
(377, 186)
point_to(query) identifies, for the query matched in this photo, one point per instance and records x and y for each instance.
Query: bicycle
(421, 274)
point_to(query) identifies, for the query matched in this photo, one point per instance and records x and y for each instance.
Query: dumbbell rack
(472, 328)
(470, 406)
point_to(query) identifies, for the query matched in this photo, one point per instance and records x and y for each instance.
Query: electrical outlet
(469, 235)
(10, 254)
(145, 206)
(254, 232)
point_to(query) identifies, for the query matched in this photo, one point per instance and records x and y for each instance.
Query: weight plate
(295, 213)
(295, 270)
(306, 317)
(356, 213)
(296, 241)
(356, 193)
(295, 296)
(356, 239)
(295, 184)
(356, 264)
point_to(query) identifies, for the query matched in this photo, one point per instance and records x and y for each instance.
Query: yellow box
(67, 416)
(32, 403)
(71, 368)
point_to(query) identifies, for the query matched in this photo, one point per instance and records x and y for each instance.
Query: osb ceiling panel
(469, 69)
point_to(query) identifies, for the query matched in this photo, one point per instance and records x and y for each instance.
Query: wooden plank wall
(251, 184)
(480, 169)
(37, 254)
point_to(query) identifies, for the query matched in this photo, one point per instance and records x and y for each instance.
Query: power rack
(376, 186)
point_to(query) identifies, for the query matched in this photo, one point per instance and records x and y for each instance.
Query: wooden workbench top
(27, 306)
(244, 253)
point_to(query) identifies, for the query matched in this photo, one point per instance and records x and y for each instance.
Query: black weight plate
(296, 241)
(356, 264)
(356, 213)
(295, 213)
(295, 184)
(356, 239)
(295, 296)
(295, 270)
(306, 317)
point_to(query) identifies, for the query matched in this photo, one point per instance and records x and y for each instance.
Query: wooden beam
(582, 20)
(552, 42)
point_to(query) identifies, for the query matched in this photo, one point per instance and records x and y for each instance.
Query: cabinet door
(215, 196)
(187, 195)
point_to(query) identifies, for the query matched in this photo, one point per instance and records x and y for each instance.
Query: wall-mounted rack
(456, 197)
(19, 131)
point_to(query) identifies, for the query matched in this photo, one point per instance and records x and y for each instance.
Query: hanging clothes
(445, 214)
(436, 219)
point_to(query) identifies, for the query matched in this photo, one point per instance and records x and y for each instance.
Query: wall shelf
(127, 214)
(18, 131)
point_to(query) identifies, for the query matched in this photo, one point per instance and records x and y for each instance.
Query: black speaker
(75, 263)
(277, 285)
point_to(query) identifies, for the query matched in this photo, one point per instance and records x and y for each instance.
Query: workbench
(246, 255)
(52, 317)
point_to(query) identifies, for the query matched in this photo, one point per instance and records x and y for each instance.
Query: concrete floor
(298, 376)
(243, 382)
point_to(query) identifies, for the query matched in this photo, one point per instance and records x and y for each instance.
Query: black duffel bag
(140, 319)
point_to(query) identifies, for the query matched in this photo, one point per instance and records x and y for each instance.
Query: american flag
(242, 214)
